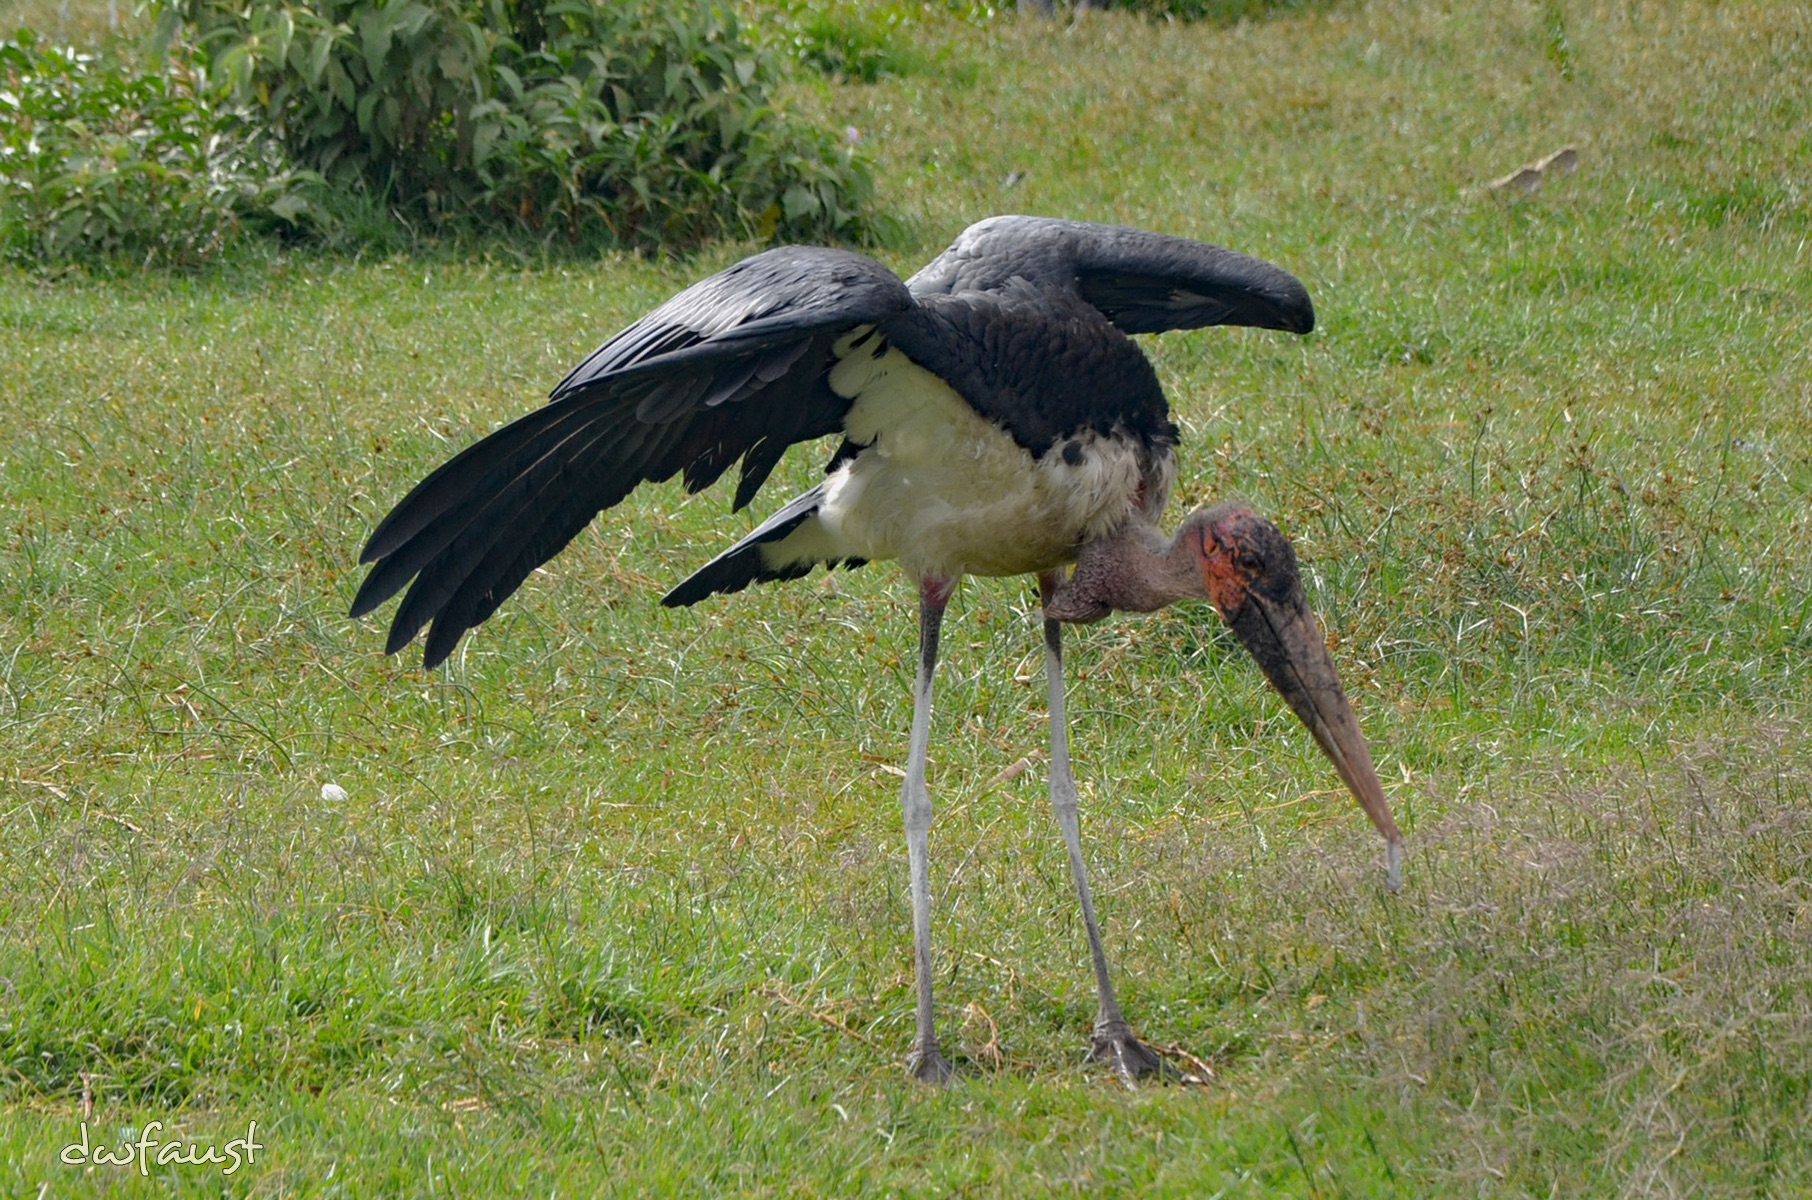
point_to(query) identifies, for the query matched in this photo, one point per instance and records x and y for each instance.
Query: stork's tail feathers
(754, 558)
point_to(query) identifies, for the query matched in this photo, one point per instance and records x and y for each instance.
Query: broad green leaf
(290, 206)
(367, 105)
(339, 85)
(799, 202)
(375, 33)
(317, 58)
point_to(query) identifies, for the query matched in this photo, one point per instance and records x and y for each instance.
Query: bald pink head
(1238, 551)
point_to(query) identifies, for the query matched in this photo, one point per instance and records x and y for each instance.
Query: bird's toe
(1114, 1045)
(928, 1065)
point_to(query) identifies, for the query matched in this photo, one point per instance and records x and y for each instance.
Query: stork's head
(1249, 572)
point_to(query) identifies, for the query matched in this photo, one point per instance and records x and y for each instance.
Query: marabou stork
(996, 419)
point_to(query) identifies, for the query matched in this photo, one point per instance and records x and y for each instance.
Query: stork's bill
(1249, 570)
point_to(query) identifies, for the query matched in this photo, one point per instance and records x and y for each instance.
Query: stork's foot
(1131, 1059)
(927, 1064)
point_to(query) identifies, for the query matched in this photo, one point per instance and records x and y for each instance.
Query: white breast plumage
(948, 492)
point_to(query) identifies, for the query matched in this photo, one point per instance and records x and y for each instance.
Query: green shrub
(640, 122)
(846, 39)
(102, 161)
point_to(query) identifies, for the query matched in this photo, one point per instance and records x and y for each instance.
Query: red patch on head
(1227, 572)
(1226, 581)
(1222, 575)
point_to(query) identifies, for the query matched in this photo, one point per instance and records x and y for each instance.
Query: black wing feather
(741, 565)
(514, 523)
(1142, 282)
(574, 501)
(447, 501)
(731, 368)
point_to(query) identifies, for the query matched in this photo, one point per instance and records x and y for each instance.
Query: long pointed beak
(1282, 634)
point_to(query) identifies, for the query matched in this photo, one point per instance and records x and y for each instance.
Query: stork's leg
(924, 1060)
(1113, 1042)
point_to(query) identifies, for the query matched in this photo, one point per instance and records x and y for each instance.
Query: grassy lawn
(617, 900)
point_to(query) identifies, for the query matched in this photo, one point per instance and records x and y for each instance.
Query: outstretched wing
(731, 368)
(1142, 282)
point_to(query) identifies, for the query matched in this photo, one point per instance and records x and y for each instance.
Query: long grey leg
(1113, 1042)
(924, 1061)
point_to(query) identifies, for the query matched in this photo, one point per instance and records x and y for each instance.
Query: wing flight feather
(731, 368)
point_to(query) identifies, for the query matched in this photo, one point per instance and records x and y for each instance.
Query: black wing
(1142, 282)
(731, 368)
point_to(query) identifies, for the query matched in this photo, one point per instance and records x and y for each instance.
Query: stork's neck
(1135, 569)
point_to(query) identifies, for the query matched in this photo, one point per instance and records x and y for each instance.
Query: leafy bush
(639, 121)
(102, 161)
(845, 39)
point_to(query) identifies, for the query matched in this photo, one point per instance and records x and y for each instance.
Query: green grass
(617, 902)
(81, 21)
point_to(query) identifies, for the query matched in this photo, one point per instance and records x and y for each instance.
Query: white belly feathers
(948, 492)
